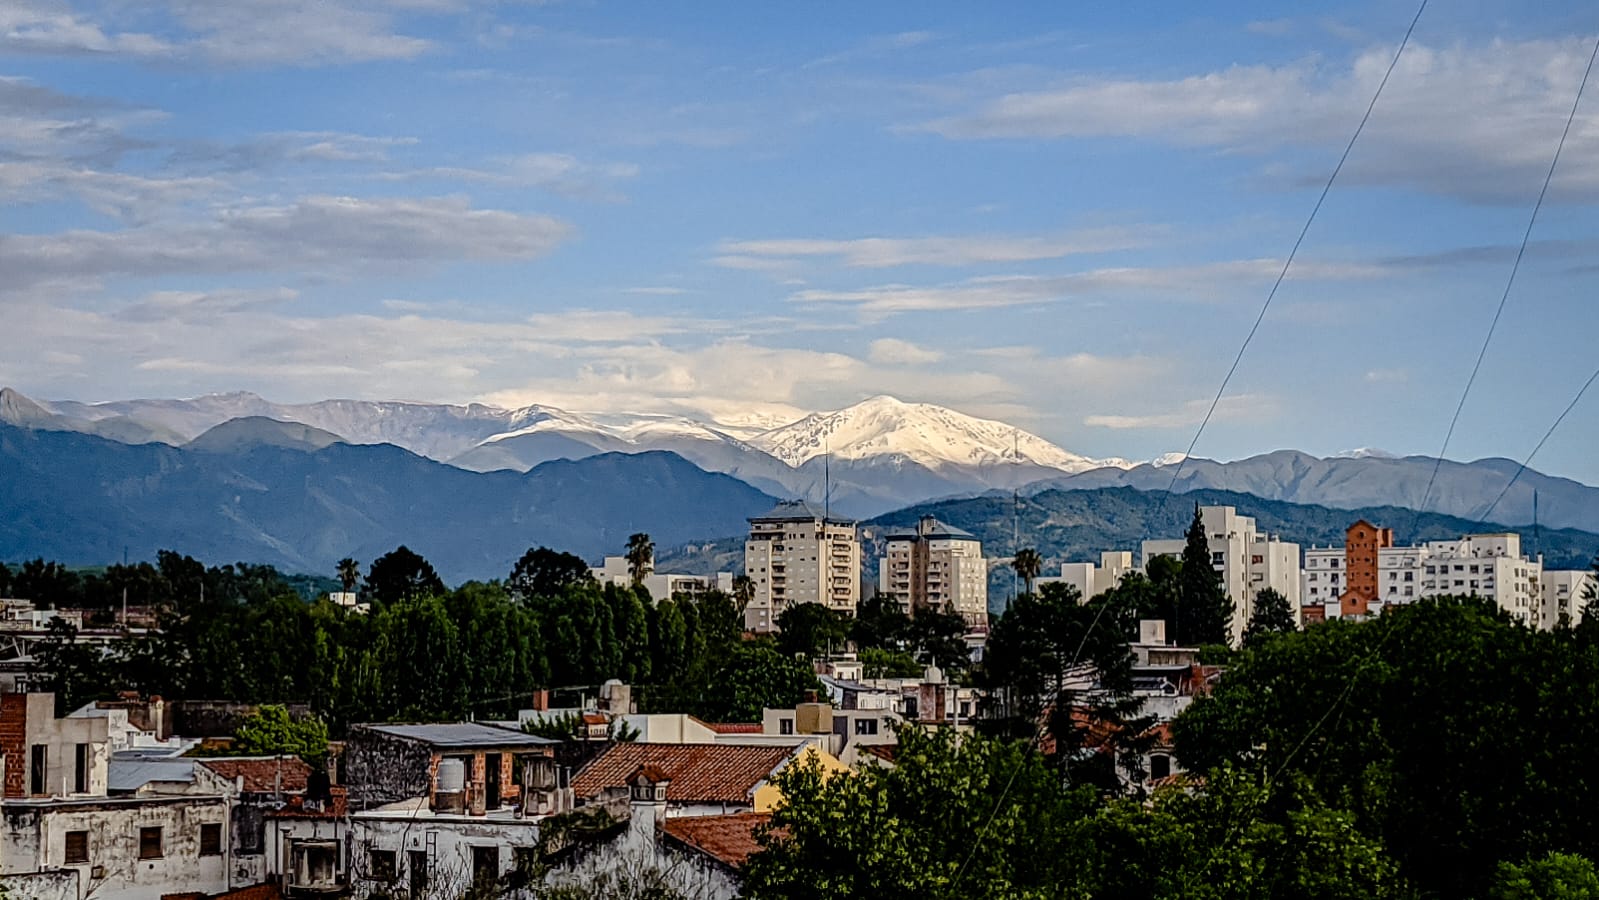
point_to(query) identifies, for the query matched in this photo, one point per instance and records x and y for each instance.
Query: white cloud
(895, 352)
(50, 27)
(1387, 376)
(882, 252)
(1477, 120)
(997, 291)
(558, 172)
(312, 234)
(1234, 408)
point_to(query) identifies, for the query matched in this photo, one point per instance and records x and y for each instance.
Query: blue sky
(1064, 216)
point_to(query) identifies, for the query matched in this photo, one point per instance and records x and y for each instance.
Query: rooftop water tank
(451, 778)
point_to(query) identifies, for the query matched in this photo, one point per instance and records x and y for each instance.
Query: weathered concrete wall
(380, 768)
(452, 842)
(34, 840)
(217, 718)
(61, 884)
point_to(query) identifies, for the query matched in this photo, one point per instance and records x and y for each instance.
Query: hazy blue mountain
(83, 499)
(249, 432)
(15, 409)
(1076, 525)
(1461, 489)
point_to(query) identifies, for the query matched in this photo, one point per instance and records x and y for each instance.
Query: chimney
(541, 700)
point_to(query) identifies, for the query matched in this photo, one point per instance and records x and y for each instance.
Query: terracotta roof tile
(884, 752)
(700, 773)
(730, 840)
(734, 727)
(261, 774)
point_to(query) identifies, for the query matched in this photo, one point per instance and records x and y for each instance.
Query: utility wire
(1546, 435)
(1510, 282)
(1288, 263)
(1337, 705)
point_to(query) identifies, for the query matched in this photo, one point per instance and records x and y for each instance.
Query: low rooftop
(699, 773)
(457, 735)
(730, 840)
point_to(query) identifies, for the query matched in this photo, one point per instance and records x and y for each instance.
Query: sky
(1065, 216)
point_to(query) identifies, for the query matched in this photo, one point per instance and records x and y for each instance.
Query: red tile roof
(262, 774)
(700, 773)
(730, 840)
(295, 807)
(884, 752)
(734, 727)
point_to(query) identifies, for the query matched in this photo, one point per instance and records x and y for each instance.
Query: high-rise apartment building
(936, 567)
(1248, 560)
(1337, 582)
(794, 555)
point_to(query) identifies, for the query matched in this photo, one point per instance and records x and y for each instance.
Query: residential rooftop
(460, 735)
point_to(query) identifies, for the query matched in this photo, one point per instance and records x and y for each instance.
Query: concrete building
(1248, 560)
(704, 779)
(846, 731)
(936, 567)
(661, 585)
(1485, 565)
(1090, 579)
(1564, 595)
(795, 554)
(387, 764)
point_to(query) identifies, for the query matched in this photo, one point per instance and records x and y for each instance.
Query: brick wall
(14, 743)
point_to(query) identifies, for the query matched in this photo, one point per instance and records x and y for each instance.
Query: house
(844, 731)
(387, 764)
(703, 779)
(722, 844)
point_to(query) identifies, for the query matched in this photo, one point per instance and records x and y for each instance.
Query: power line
(1288, 263)
(1545, 439)
(1510, 282)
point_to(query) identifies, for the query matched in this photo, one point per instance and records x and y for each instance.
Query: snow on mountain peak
(930, 435)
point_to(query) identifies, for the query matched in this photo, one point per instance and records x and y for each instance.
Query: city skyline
(1065, 224)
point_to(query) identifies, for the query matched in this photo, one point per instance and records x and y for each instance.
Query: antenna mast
(1015, 510)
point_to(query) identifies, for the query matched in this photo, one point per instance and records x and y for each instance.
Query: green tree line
(426, 652)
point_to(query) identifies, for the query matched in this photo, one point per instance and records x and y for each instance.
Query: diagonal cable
(1510, 282)
(1288, 263)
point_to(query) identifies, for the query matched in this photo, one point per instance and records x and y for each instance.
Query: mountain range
(864, 460)
(256, 490)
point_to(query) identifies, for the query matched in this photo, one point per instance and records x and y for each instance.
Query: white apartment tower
(1491, 566)
(1091, 580)
(794, 555)
(1248, 560)
(936, 567)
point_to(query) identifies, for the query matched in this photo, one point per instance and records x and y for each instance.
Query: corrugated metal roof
(132, 774)
(463, 734)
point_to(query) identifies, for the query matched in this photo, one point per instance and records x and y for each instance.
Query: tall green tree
(810, 630)
(743, 591)
(5, 580)
(1556, 876)
(1028, 565)
(542, 572)
(754, 677)
(349, 574)
(640, 557)
(1272, 615)
(272, 731)
(401, 574)
(48, 584)
(879, 622)
(1204, 611)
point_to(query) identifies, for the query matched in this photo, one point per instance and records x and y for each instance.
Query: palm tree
(1028, 564)
(743, 591)
(349, 573)
(640, 557)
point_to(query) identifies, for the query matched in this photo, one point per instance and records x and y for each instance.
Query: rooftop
(798, 511)
(730, 840)
(463, 734)
(127, 775)
(262, 774)
(700, 773)
(930, 527)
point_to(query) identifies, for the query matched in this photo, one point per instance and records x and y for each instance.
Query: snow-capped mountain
(928, 435)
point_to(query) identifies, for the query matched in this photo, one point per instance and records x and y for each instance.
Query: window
(211, 839)
(150, 843)
(77, 849)
(418, 860)
(382, 865)
(1218, 558)
(1159, 766)
(865, 726)
(1410, 576)
(785, 726)
(1312, 576)
(485, 865)
(37, 765)
(80, 769)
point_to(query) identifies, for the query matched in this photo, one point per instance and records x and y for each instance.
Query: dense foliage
(424, 652)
